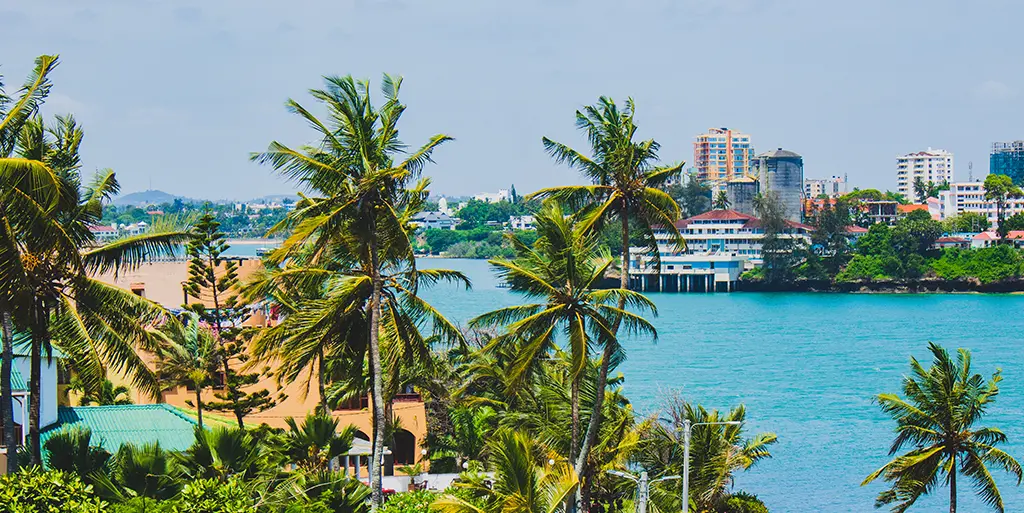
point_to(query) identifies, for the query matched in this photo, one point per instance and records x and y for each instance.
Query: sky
(176, 95)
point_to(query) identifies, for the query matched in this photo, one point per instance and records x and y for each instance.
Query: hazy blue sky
(179, 92)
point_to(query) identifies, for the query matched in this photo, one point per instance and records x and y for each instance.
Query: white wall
(48, 387)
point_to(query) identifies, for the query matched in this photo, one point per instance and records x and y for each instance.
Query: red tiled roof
(986, 236)
(720, 215)
(101, 229)
(951, 240)
(856, 229)
(905, 209)
(1015, 234)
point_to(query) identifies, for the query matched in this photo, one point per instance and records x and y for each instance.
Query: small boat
(262, 252)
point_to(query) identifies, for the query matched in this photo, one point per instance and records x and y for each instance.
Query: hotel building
(832, 187)
(934, 166)
(721, 155)
(720, 245)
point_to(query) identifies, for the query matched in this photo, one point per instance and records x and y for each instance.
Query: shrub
(212, 496)
(409, 502)
(742, 502)
(37, 491)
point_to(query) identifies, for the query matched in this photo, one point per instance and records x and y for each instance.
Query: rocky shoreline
(918, 286)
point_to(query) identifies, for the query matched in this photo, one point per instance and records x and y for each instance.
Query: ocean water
(806, 366)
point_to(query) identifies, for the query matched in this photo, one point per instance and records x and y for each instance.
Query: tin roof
(114, 426)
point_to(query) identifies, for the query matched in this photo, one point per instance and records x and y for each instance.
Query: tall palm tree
(189, 356)
(98, 326)
(521, 483)
(361, 175)
(562, 269)
(28, 190)
(627, 187)
(721, 201)
(937, 419)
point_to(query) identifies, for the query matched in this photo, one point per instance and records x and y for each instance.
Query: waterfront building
(830, 187)
(881, 211)
(1007, 158)
(721, 155)
(985, 239)
(433, 221)
(782, 171)
(935, 166)
(970, 197)
(521, 222)
(104, 234)
(720, 245)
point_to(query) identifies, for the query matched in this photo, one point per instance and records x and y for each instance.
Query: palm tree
(222, 453)
(627, 187)
(315, 444)
(920, 189)
(562, 268)
(144, 471)
(521, 482)
(937, 419)
(108, 394)
(717, 452)
(71, 450)
(721, 201)
(28, 190)
(361, 177)
(98, 326)
(189, 356)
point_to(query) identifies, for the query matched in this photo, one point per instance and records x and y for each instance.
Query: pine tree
(213, 277)
(514, 196)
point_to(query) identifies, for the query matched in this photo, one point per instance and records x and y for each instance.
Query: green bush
(212, 496)
(37, 491)
(742, 502)
(985, 264)
(409, 502)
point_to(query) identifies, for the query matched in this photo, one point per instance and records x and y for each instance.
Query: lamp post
(687, 430)
(643, 485)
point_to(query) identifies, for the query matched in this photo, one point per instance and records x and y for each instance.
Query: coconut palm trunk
(321, 377)
(39, 336)
(952, 487)
(199, 405)
(378, 386)
(583, 492)
(7, 399)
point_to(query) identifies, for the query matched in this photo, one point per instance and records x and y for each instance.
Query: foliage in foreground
(36, 491)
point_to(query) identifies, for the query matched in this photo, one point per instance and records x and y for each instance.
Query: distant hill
(143, 198)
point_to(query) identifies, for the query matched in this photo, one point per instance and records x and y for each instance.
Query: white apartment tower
(934, 166)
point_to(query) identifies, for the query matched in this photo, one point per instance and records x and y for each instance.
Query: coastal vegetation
(523, 402)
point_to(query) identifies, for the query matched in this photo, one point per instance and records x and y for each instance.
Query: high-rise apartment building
(831, 187)
(935, 166)
(721, 155)
(970, 197)
(1007, 158)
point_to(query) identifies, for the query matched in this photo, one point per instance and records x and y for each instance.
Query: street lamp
(687, 429)
(643, 485)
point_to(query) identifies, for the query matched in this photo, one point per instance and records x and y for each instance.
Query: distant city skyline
(178, 94)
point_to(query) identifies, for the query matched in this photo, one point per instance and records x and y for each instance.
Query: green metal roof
(17, 381)
(113, 426)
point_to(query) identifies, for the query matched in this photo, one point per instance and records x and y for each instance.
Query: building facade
(494, 197)
(970, 197)
(525, 222)
(782, 172)
(935, 166)
(434, 221)
(721, 155)
(1007, 158)
(831, 187)
(720, 245)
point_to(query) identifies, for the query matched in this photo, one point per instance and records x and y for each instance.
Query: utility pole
(643, 486)
(687, 432)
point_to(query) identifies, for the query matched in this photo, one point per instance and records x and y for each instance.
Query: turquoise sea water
(806, 366)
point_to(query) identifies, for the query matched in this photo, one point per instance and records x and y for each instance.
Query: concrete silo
(782, 171)
(741, 192)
